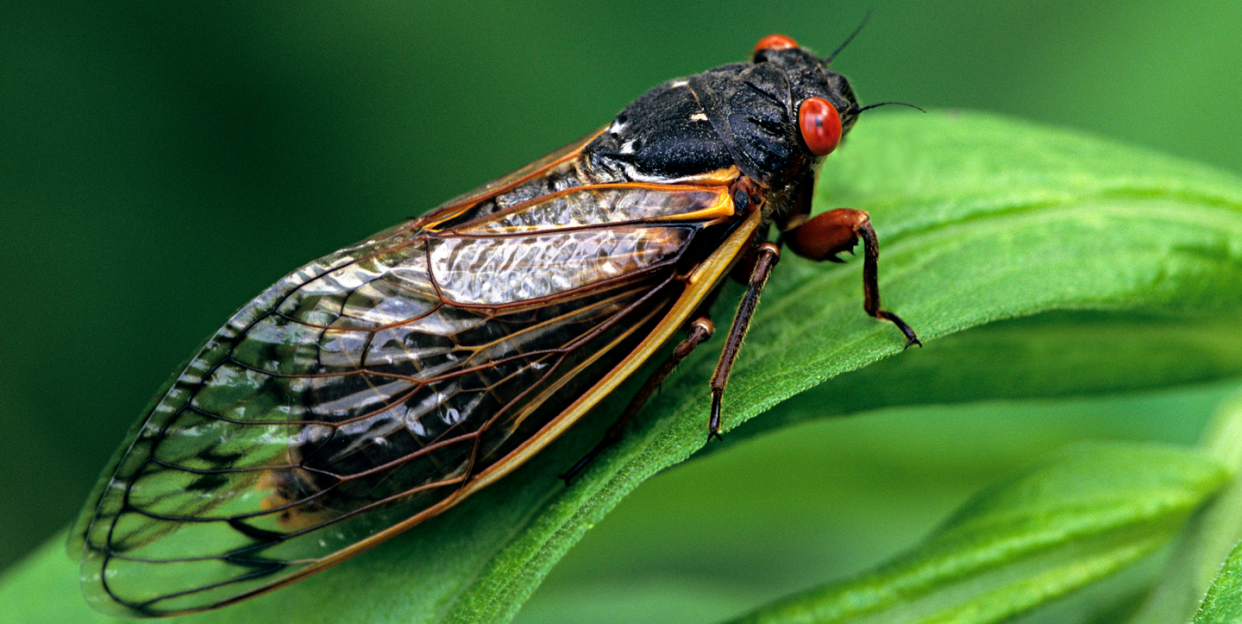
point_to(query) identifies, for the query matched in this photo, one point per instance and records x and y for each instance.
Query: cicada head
(773, 118)
(809, 76)
(790, 112)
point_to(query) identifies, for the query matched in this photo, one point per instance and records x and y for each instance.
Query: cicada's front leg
(824, 236)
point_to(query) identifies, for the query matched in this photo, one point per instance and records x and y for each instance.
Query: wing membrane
(365, 390)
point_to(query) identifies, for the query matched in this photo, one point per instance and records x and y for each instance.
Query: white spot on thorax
(678, 83)
(627, 147)
(698, 117)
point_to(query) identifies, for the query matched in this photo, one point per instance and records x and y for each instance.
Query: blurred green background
(163, 162)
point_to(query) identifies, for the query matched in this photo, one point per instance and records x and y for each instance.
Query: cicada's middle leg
(765, 259)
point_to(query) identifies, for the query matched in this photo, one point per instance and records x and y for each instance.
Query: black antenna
(859, 110)
(848, 39)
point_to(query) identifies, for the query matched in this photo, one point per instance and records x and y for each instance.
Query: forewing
(362, 392)
(531, 175)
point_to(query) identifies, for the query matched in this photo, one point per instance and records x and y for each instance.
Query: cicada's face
(745, 115)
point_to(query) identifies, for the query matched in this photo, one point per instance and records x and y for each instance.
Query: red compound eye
(820, 124)
(775, 42)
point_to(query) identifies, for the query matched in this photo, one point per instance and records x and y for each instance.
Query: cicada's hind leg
(700, 330)
(824, 236)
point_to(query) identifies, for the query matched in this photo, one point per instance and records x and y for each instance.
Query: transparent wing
(361, 393)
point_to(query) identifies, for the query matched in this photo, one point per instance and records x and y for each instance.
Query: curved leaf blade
(1076, 518)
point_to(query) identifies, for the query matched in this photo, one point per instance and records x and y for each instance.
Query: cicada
(377, 386)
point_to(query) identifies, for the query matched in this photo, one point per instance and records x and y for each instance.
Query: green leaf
(1081, 515)
(1223, 603)
(1195, 567)
(980, 219)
